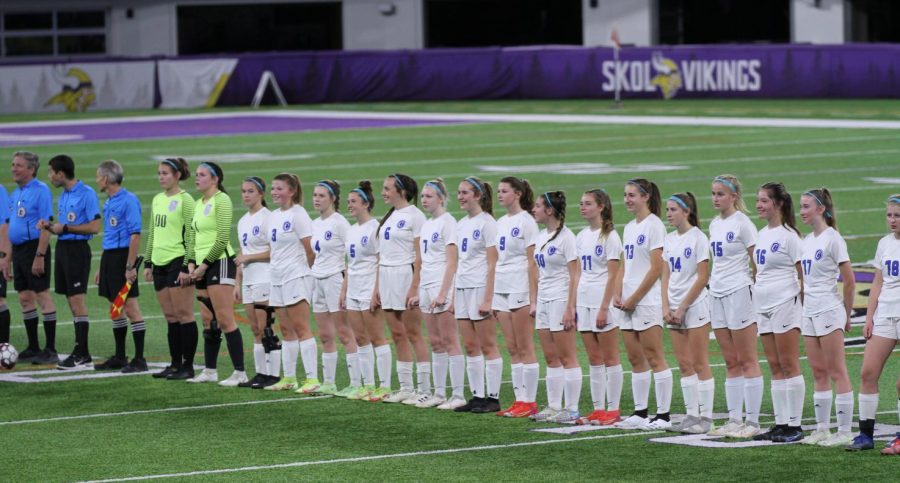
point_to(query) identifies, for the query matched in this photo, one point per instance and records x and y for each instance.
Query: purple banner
(770, 71)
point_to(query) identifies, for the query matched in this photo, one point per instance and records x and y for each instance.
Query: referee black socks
(120, 330)
(138, 330)
(31, 329)
(50, 330)
(4, 323)
(81, 335)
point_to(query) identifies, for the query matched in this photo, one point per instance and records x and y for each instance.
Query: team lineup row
(462, 276)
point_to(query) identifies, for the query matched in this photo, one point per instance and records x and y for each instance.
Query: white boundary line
(358, 459)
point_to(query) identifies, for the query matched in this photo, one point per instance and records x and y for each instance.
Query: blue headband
(361, 193)
(550, 203)
(437, 188)
(211, 169)
(726, 183)
(810, 193)
(173, 165)
(328, 187)
(399, 182)
(680, 202)
(894, 199)
(476, 184)
(631, 181)
(255, 181)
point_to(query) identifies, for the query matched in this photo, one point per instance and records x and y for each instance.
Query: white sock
(844, 407)
(530, 374)
(868, 404)
(822, 408)
(309, 352)
(383, 361)
(555, 380)
(493, 377)
(353, 369)
(457, 374)
(259, 359)
(572, 391)
(734, 398)
(405, 375)
(663, 389)
(689, 391)
(796, 396)
(516, 370)
(615, 379)
(779, 398)
(329, 367)
(706, 391)
(753, 394)
(274, 363)
(289, 351)
(423, 376)
(598, 387)
(367, 364)
(640, 389)
(439, 362)
(475, 370)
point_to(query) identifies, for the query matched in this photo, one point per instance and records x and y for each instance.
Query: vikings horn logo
(74, 98)
(667, 77)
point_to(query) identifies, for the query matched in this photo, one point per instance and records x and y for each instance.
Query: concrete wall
(819, 21)
(636, 21)
(152, 29)
(368, 24)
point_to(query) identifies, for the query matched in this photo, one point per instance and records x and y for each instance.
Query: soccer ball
(8, 356)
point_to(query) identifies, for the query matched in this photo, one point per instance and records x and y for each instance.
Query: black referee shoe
(136, 365)
(181, 374)
(470, 406)
(112, 363)
(46, 356)
(771, 434)
(165, 372)
(490, 405)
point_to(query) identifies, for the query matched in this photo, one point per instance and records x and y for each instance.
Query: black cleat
(28, 354)
(490, 405)
(770, 435)
(165, 372)
(136, 365)
(46, 356)
(268, 381)
(257, 378)
(788, 435)
(181, 374)
(470, 406)
(76, 362)
(113, 363)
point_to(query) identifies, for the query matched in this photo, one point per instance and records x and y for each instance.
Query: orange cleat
(893, 448)
(503, 412)
(609, 418)
(524, 410)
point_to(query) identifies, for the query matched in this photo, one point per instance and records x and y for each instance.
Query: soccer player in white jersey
(778, 301)
(366, 319)
(397, 287)
(686, 309)
(640, 300)
(556, 257)
(476, 235)
(290, 258)
(599, 253)
(826, 316)
(732, 238)
(514, 294)
(439, 257)
(329, 234)
(882, 330)
(252, 282)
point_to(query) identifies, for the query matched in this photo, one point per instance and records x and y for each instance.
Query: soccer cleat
(632, 422)
(611, 417)
(452, 403)
(207, 375)
(181, 374)
(469, 406)
(398, 396)
(310, 386)
(285, 384)
(112, 363)
(838, 439)
(378, 394)
(703, 426)
(503, 412)
(258, 378)
(657, 424)
(134, 366)
(596, 415)
(490, 405)
(789, 435)
(165, 372)
(685, 423)
(75, 362)
(543, 414)
(347, 391)
(234, 379)
(892, 448)
(265, 382)
(46, 356)
(563, 417)
(28, 355)
(361, 393)
(416, 398)
(747, 430)
(767, 435)
(324, 389)
(817, 436)
(432, 402)
(524, 410)
(729, 427)
(861, 442)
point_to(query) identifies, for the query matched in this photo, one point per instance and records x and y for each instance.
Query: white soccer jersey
(396, 238)
(287, 260)
(328, 238)
(776, 255)
(729, 239)
(436, 234)
(474, 235)
(887, 259)
(254, 239)
(362, 257)
(552, 260)
(681, 254)
(594, 256)
(514, 235)
(639, 240)
(820, 259)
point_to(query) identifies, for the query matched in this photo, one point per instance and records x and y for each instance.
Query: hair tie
(256, 181)
(810, 193)
(211, 169)
(680, 202)
(362, 193)
(437, 188)
(635, 183)
(399, 182)
(726, 183)
(173, 164)
(827, 214)
(328, 187)
(476, 184)
(550, 203)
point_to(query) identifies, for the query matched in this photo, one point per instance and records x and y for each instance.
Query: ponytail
(526, 194)
(601, 197)
(178, 166)
(293, 181)
(823, 198)
(556, 201)
(437, 184)
(405, 186)
(215, 170)
(260, 186)
(365, 190)
(688, 202)
(334, 190)
(780, 194)
(731, 182)
(486, 195)
(649, 188)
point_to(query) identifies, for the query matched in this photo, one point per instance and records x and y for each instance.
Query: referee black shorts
(23, 259)
(73, 266)
(166, 276)
(112, 274)
(221, 272)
